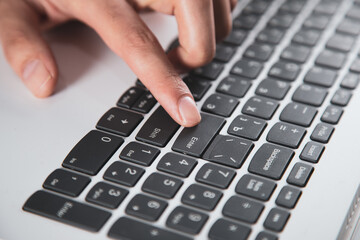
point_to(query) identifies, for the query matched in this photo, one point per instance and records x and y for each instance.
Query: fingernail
(36, 77)
(189, 113)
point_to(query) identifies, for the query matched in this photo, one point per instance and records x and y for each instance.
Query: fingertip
(189, 113)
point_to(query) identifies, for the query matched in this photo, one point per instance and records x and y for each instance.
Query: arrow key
(123, 173)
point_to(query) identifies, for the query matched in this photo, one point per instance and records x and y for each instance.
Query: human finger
(223, 22)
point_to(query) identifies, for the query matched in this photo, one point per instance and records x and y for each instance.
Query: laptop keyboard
(266, 119)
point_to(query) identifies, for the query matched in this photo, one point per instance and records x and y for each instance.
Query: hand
(200, 23)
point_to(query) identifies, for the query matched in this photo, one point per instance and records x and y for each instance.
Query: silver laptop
(276, 155)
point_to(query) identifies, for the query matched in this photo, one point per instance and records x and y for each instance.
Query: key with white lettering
(247, 127)
(322, 133)
(288, 197)
(201, 197)
(215, 175)
(106, 195)
(123, 173)
(139, 153)
(332, 114)
(243, 209)
(312, 152)
(224, 229)
(177, 164)
(299, 114)
(260, 107)
(256, 187)
(286, 134)
(276, 220)
(300, 174)
(162, 185)
(219, 104)
(146, 207)
(194, 140)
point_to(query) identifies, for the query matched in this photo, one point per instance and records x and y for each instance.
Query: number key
(123, 173)
(201, 197)
(106, 195)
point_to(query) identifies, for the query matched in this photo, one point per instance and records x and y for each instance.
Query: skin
(200, 24)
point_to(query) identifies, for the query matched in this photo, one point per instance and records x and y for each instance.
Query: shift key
(194, 140)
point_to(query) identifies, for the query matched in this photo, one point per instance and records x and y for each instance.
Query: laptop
(276, 155)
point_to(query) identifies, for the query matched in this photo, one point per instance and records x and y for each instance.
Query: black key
(259, 52)
(349, 26)
(270, 35)
(307, 37)
(201, 197)
(286, 134)
(271, 161)
(92, 152)
(320, 76)
(296, 53)
(139, 153)
(317, 22)
(341, 97)
(229, 151)
(281, 20)
(331, 59)
(194, 140)
(322, 133)
(272, 88)
(288, 197)
(247, 69)
(162, 185)
(298, 114)
(106, 195)
(312, 152)
(224, 53)
(186, 220)
(210, 71)
(119, 121)
(246, 22)
(126, 228)
(62, 181)
(255, 187)
(130, 97)
(139, 84)
(300, 174)
(340, 42)
(145, 103)
(123, 173)
(256, 7)
(292, 6)
(350, 81)
(285, 70)
(179, 165)
(266, 236)
(326, 7)
(224, 229)
(221, 105)
(311, 95)
(66, 211)
(260, 107)
(158, 129)
(215, 175)
(234, 86)
(243, 209)
(146, 207)
(355, 66)
(247, 127)
(276, 220)
(236, 37)
(332, 114)
(354, 12)
(197, 86)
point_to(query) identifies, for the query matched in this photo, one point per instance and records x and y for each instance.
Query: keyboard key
(311, 95)
(130, 97)
(92, 152)
(221, 105)
(298, 114)
(197, 86)
(215, 175)
(210, 71)
(285, 70)
(320, 76)
(236, 37)
(247, 127)
(332, 114)
(276, 220)
(300, 174)
(201, 197)
(331, 59)
(341, 97)
(350, 81)
(145, 103)
(296, 53)
(266, 236)
(119, 121)
(246, 22)
(139, 153)
(354, 12)
(158, 129)
(326, 7)
(146, 207)
(123, 173)
(322, 133)
(349, 26)
(286, 134)
(312, 152)
(271, 161)
(194, 140)
(224, 229)
(179, 165)
(260, 107)
(247, 69)
(186, 220)
(270, 35)
(256, 7)
(243, 209)
(234, 86)
(259, 52)
(255, 187)
(340, 42)
(162, 185)
(229, 151)
(288, 197)
(273, 88)
(355, 66)
(292, 7)
(66, 211)
(126, 228)
(317, 22)
(308, 37)
(281, 20)
(106, 195)
(224, 53)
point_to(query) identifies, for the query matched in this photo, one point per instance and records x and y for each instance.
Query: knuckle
(203, 56)
(140, 38)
